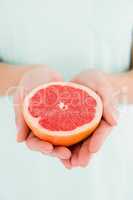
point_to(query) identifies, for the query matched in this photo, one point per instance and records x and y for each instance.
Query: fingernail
(68, 168)
(63, 156)
(84, 165)
(116, 115)
(46, 152)
(49, 148)
(19, 138)
(74, 162)
(86, 162)
(18, 126)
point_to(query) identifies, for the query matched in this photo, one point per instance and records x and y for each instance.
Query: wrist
(10, 77)
(18, 72)
(122, 86)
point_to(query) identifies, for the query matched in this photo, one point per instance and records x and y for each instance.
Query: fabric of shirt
(70, 36)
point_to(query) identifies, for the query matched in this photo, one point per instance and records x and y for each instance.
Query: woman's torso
(68, 35)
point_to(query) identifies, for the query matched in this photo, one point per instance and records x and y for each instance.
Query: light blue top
(68, 35)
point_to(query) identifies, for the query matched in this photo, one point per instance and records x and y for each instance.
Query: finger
(61, 152)
(22, 128)
(38, 76)
(110, 112)
(66, 163)
(98, 137)
(75, 156)
(36, 144)
(100, 84)
(84, 154)
(29, 81)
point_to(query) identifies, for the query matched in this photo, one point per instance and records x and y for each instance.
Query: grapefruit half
(63, 113)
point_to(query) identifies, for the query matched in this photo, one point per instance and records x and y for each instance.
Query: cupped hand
(82, 152)
(38, 75)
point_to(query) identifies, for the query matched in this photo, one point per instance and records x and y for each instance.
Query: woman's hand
(82, 152)
(36, 76)
(79, 154)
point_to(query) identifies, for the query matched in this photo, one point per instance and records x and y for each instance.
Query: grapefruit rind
(63, 137)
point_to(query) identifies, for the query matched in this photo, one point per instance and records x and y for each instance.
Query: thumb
(98, 138)
(22, 128)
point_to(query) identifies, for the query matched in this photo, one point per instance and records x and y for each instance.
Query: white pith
(62, 106)
(34, 121)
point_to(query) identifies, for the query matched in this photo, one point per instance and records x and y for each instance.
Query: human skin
(109, 87)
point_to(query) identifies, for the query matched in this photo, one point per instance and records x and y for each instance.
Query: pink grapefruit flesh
(62, 113)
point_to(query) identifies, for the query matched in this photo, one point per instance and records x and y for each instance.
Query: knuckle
(29, 145)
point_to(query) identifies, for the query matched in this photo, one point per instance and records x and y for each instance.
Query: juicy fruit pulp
(62, 113)
(62, 108)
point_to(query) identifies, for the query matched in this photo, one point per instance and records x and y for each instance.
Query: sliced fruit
(63, 113)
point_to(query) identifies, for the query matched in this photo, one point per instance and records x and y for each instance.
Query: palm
(35, 77)
(81, 153)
